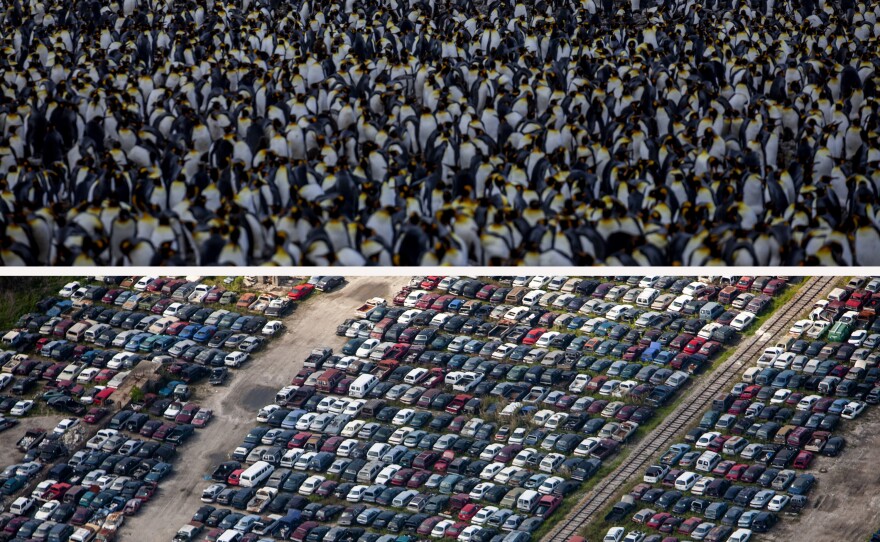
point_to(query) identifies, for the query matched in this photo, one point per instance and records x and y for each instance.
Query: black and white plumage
(378, 132)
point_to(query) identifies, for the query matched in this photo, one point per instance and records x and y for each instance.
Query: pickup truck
(318, 356)
(817, 442)
(468, 382)
(624, 431)
(261, 499)
(30, 439)
(364, 310)
(536, 394)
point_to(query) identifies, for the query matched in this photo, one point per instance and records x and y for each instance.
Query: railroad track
(687, 411)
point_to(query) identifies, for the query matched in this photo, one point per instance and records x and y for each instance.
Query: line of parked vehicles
(80, 346)
(752, 457)
(469, 409)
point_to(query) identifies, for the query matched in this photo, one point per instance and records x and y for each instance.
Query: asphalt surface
(236, 403)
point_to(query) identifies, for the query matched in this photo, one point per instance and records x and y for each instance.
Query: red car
(469, 511)
(132, 506)
(430, 282)
(300, 292)
(156, 285)
(187, 413)
(111, 296)
(750, 392)
(745, 283)
(710, 349)
(145, 492)
(633, 352)
(657, 520)
(400, 297)
(445, 459)
(688, 526)
(301, 377)
(533, 335)
(105, 375)
(175, 328)
(163, 431)
(397, 352)
(681, 341)
(234, 477)
(803, 459)
(202, 417)
(694, 345)
(455, 529)
(486, 291)
(736, 471)
(214, 295)
(95, 415)
(160, 306)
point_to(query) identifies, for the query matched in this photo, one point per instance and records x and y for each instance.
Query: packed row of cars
(80, 346)
(469, 408)
(754, 454)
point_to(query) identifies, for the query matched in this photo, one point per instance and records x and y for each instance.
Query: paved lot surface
(235, 405)
(845, 505)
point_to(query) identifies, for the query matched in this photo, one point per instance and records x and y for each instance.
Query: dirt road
(845, 505)
(235, 405)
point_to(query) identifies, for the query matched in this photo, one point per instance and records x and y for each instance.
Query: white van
(750, 374)
(77, 332)
(377, 450)
(230, 535)
(837, 294)
(708, 461)
(686, 480)
(82, 535)
(362, 386)
(647, 297)
(94, 332)
(528, 500)
(255, 474)
(532, 297)
(290, 457)
(284, 395)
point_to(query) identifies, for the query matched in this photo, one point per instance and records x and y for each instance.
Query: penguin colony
(431, 132)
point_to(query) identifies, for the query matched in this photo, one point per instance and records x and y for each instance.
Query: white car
(480, 490)
(367, 347)
(311, 484)
(490, 470)
(65, 425)
(694, 289)
(235, 359)
(807, 402)
(614, 534)
(483, 515)
(439, 530)
(742, 321)
(68, 289)
(265, 412)
(351, 428)
(144, 282)
(385, 475)
(5, 380)
(778, 502)
(769, 356)
(706, 439)
(799, 328)
(858, 337)
(21, 408)
(272, 327)
(780, 396)
(819, 328)
(579, 383)
(852, 410)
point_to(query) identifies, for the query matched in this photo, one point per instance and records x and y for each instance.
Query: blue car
(576, 322)
(189, 331)
(204, 334)
(664, 357)
(455, 305)
(59, 308)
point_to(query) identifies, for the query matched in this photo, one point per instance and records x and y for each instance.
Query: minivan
(647, 296)
(708, 461)
(528, 500)
(255, 474)
(710, 311)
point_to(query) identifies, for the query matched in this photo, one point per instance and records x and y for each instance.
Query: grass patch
(19, 295)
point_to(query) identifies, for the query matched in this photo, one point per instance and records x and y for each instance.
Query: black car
(328, 284)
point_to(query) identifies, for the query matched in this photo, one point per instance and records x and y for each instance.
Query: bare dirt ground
(845, 504)
(235, 404)
(9, 454)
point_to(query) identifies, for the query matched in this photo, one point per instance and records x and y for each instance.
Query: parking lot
(236, 403)
(527, 387)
